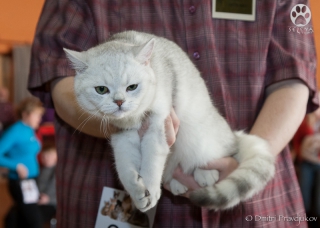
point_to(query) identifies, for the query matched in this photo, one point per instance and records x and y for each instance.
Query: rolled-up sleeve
(291, 53)
(62, 24)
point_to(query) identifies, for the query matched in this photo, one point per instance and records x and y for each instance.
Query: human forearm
(281, 115)
(7, 142)
(68, 109)
(311, 158)
(310, 147)
(8, 163)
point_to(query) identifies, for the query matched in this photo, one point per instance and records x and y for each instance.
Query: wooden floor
(5, 200)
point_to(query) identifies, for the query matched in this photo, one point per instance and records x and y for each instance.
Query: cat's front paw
(206, 177)
(177, 188)
(141, 195)
(154, 196)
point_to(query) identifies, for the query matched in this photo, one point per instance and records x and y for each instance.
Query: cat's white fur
(166, 78)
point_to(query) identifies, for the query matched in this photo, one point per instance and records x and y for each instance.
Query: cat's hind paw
(177, 188)
(206, 177)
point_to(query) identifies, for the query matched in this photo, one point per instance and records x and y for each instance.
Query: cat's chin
(119, 114)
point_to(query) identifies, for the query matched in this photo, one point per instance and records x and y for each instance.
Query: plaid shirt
(237, 59)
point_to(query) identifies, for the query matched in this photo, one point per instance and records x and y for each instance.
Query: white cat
(134, 75)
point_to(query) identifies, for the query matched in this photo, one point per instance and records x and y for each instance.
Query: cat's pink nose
(118, 102)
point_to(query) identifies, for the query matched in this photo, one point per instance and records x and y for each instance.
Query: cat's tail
(256, 168)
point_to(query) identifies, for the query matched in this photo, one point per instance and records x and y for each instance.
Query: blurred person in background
(18, 153)
(306, 144)
(47, 180)
(7, 116)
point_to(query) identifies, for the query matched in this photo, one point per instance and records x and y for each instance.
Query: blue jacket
(19, 144)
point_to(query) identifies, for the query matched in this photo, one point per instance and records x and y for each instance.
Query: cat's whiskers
(101, 124)
(83, 112)
(105, 121)
(84, 122)
(104, 125)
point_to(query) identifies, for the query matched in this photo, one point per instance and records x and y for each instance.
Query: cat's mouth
(119, 113)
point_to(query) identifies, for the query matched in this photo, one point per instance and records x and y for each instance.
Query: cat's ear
(78, 59)
(143, 53)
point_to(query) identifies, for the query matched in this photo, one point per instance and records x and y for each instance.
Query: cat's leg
(206, 177)
(177, 188)
(126, 147)
(154, 149)
(203, 177)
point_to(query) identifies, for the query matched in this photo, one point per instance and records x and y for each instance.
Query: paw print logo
(300, 15)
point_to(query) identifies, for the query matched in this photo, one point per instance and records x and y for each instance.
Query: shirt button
(196, 55)
(192, 9)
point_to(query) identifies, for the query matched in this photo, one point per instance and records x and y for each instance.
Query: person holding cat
(248, 68)
(46, 180)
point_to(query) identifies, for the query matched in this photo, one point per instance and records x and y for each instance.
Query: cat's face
(113, 83)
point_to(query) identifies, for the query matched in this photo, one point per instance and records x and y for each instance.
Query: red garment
(43, 131)
(304, 130)
(237, 59)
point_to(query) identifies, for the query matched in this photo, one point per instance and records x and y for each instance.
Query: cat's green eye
(132, 87)
(102, 89)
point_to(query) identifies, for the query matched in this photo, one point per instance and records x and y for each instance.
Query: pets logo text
(300, 16)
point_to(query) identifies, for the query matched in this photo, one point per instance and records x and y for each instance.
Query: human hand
(22, 171)
(225, 166)
(310, 145)
(171, 127)
(44, 199)
(172, 124)
(310, 148)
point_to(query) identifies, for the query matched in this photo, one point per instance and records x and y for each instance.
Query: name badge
(30, 191)
(244, 10)
(117, 210)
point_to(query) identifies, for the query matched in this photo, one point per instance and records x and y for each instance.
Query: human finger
(185, 179)
(175, 120)
(225, 166)
(170, 132)
(144, 127)
(22, 171)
